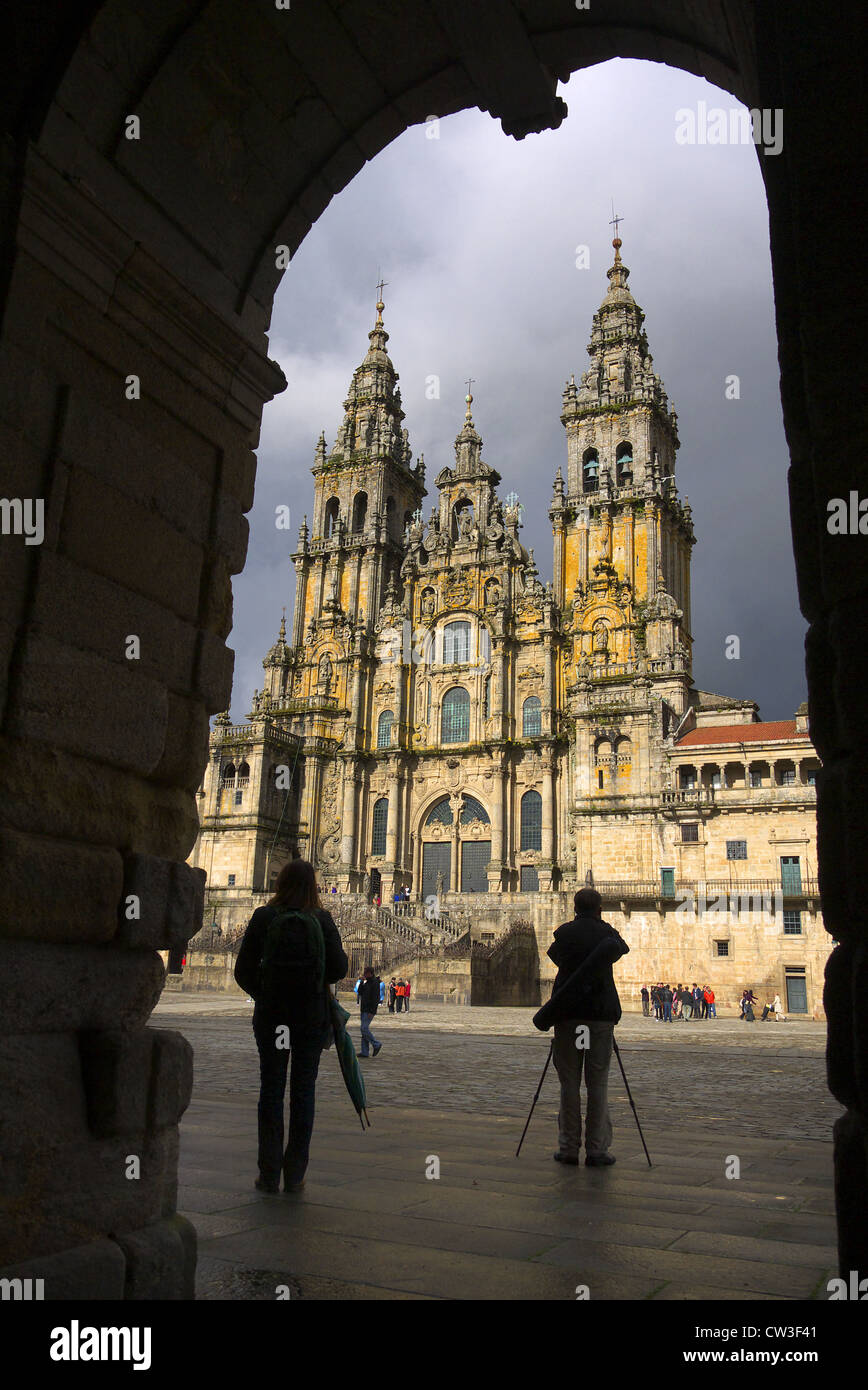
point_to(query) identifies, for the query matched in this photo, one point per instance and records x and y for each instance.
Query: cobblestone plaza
(456, 1084)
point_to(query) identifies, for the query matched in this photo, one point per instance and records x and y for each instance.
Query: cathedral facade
(440, 722)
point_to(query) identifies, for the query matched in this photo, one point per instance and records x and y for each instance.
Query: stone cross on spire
(380, 306)
(616, 242)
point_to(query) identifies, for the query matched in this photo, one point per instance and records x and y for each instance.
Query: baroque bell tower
(622, 544)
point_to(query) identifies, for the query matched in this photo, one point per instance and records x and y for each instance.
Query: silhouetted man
(584, 1012)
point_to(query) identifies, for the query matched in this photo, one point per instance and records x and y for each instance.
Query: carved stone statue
(601, 638)
(325, 673)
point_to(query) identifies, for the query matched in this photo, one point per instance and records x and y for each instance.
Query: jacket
(250, 955)
(369, 995)
(590, 942)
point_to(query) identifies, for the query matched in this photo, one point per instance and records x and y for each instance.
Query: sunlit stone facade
(440, 719)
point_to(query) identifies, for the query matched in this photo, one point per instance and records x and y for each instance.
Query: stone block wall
(154, 258)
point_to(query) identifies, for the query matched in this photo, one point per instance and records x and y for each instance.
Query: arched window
(624, 464)
(360, 511)
(440, 813)
(332, 512)
(384, 729)
(243, 773)
(473, 810)
(590, 470)
(228, 773)
(456, 642)
(455, 719)
(531, 821)
(380, 819)
(531, 718)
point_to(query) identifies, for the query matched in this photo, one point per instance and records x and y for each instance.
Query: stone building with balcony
(439, 720)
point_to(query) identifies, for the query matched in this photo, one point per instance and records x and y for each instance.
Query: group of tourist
(399, 996)
(684, 1002)
(697, 1001)
(774, 1006)
(398, 992)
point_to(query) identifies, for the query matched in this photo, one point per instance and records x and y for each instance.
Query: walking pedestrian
(392, 992)
(697, 1001)
(712, 1011)
(667, 1004)
(369, 1002)
(587, 1011)
(290, 953)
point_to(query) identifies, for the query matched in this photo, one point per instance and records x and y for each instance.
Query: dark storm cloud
(477, 235)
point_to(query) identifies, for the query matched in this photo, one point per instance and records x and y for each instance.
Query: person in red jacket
(406, 996)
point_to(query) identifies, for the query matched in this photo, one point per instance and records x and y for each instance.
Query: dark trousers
(303, 1054)
(399, 1003)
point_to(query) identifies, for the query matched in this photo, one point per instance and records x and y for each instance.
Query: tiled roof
(742, 733)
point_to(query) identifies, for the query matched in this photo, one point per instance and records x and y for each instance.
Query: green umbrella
(349, 1062)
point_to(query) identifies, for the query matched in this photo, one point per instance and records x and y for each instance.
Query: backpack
(292, 969)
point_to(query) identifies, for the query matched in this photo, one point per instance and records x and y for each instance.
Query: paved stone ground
(457, 1084)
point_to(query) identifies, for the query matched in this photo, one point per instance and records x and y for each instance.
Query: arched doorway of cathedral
(376, 884)
(157, 256)
(454, 839)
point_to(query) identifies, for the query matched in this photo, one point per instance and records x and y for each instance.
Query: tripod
(626, 1084)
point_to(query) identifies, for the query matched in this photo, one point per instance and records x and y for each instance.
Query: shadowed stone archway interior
(155, 159)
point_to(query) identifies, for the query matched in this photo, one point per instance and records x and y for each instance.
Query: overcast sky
(476, 235)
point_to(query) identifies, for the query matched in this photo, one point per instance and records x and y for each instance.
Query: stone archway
(158, 174)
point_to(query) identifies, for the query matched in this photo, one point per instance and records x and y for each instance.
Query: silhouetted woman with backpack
(290, 954)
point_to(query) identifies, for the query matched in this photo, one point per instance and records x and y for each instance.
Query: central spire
(371, 429)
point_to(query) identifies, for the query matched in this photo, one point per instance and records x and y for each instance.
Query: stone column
(495, 867)
(548, 825)
(395, 794)
(356, 713)
(629, 539)
(302, 569)
(651, 543)
(549, 658)
(348, 818)
(455, 872)
(559, 551)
